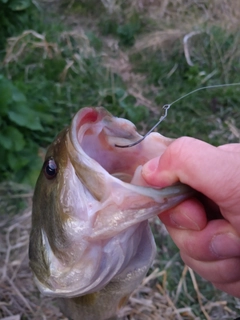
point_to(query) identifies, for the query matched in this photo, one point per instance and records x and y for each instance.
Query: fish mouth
(94, 134)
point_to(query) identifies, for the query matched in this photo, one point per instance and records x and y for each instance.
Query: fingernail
(225, 245)
(182, 221)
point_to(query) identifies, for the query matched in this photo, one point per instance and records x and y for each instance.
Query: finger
(190, 215)
(231, 147)
(217, 241)
(211, 208)
(208, 169)
(221, 272)
(232, 288)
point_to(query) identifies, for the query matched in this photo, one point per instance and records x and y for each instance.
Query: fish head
(91, 205)
(48, 215)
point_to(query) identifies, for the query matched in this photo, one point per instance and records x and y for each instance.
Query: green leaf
(16, 162)
(120, 93)
(3, 162)
(94, 40)
(137, 113)
(127, 33)
(12, 139)
(33, 172)
(19, 5)
(13, 161)
(16, 137)
(5, 94)
(5, 142)
(18, 118)
(18, 96)
(25, 118)
(30, 169)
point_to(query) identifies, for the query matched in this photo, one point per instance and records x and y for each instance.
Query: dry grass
(32, 41)
(182, 20)
(19, 298)
(28, 40)
(177, 12)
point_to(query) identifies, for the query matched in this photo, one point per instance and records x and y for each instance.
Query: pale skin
(205, 228)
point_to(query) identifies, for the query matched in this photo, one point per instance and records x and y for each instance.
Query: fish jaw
(100, 214)
(136, 204)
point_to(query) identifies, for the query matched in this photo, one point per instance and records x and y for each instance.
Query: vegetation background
(131, 57)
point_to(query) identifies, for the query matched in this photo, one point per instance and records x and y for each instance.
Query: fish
(90, 242)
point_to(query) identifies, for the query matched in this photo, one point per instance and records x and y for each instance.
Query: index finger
(213, 171)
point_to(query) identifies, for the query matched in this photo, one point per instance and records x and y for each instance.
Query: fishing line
(167, 106)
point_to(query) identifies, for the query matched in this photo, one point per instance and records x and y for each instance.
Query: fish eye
(50, 169)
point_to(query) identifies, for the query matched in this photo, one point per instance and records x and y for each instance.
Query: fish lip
(76, 152)
(90, 114)
(78, 129)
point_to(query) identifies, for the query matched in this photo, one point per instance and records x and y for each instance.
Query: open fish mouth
(89, 223)
(95, 132)
(114, 174)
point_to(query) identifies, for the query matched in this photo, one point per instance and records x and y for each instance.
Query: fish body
(90, 243)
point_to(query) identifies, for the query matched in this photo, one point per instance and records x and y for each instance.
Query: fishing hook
(167, 106)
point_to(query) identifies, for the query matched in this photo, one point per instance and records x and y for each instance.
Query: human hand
(206, 228)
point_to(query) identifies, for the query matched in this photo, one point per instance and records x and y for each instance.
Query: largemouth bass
(90, 243)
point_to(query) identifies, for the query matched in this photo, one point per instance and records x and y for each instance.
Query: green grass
(52, 92)
(202, 112)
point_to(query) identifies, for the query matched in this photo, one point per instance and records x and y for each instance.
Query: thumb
(213, 171)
